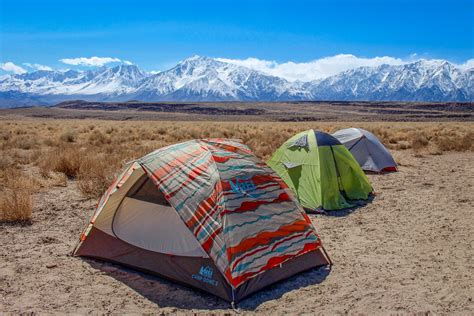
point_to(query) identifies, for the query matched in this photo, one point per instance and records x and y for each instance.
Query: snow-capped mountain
(424, 80)
(207, 79)
(118, 80)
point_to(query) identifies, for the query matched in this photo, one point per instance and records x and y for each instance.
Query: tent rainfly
(367, 149)
(206, 213)
(321, 172)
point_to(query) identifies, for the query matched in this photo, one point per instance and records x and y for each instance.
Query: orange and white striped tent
(207, 213)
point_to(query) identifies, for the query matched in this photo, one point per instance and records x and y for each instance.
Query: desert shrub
(16, 202)
(161, 130)
(265, 152)
(97, 138)
(463, 143)
(6, 162)
(443, 143)
(21, 131)
(459, 143)
(16, 205)
(419, 142)
(22, 157)
(5, 135)
(69, 136)
(68, 163)
(94, 176)
(467, 142)
(110, 130)
(26, 142)
(48, 142)
(403, 145)
(66, 160)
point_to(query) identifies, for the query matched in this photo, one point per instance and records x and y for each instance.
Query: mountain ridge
(207, 79)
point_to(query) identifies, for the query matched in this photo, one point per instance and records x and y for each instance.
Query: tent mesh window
(301, 142)
(145, 190)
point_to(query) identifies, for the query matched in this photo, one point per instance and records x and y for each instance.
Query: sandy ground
(410, 250)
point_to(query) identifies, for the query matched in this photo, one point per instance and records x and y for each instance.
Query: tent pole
(327, 256)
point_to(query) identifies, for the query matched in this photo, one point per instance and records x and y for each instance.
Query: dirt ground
(324, 111)
(409, 251)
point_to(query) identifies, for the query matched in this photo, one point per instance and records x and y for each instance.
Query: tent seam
(205, 144)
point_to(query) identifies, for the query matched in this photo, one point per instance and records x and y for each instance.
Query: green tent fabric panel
(307, 189)
(332, 197)
(355, 182)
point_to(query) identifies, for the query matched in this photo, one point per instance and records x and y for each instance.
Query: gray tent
(369, 152)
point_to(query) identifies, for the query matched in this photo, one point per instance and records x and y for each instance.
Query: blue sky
(157, 34)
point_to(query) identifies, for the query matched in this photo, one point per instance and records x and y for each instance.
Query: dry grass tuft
(69, 136)
(66, 160)
(456, 142)
(16, 202)
(94, 176)
(16, 206)
(6, 162)
(419, 142)
(97, 138)
(26, 143)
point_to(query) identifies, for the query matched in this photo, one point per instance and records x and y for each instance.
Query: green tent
(321, 172)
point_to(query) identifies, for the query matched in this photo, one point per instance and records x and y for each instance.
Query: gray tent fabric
(366, 148)
(301, 142)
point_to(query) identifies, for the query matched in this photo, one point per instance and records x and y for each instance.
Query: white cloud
(154, 72)
(467, 65)
(11, 67)
(316, 69)
(38, 66)
(127, 62)
(89, 61)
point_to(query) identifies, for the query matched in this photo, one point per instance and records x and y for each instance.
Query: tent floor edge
(192, 272)
(153, 273)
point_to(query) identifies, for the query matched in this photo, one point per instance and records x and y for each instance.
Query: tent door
(339, 180)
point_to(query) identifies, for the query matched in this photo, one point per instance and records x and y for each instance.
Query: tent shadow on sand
(165, 293)
(346, 211)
